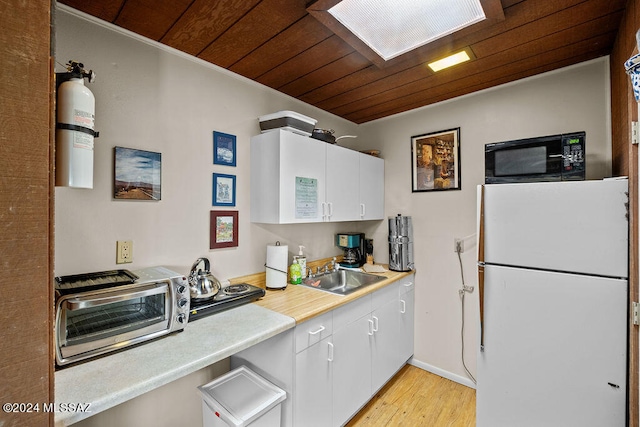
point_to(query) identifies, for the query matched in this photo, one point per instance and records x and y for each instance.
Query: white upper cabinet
(297, 179)
(343, 184)
(371, 187)
(287, 178)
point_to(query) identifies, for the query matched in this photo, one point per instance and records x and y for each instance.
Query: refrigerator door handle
(481, 298)
(481, 265)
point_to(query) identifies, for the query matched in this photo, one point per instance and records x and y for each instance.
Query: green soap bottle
(295, 273)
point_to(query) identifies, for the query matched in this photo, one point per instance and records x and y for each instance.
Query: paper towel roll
(276, 266)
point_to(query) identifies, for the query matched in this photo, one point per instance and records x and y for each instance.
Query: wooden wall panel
(26, 367)
(624, 109)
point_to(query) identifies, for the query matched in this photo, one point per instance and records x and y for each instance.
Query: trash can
(241, 398)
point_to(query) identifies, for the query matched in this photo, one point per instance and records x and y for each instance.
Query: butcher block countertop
(303, 303)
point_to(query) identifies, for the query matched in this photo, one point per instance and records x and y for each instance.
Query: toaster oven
(97, 313)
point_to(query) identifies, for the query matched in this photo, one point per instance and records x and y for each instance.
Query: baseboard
(442, 373)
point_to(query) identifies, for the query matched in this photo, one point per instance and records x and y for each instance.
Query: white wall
(157, 99)
(572, 99)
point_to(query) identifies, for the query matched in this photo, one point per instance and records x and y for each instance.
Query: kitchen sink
(342, 282)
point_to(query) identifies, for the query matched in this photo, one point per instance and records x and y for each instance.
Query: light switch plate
(124, 251)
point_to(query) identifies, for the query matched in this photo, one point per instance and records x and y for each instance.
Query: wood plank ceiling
(279, 44)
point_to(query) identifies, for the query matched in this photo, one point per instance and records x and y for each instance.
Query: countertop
(303, 303)
(119, 377)
(116, 378)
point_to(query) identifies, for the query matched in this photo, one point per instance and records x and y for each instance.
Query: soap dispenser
(295, 273)
(302, 261)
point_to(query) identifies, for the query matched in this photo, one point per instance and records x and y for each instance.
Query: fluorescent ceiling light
(449, 61)
(392, 27)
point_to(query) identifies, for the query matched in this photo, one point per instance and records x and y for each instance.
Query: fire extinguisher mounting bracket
(78, 128)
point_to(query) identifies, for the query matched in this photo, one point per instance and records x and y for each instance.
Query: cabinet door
(302, 178)
(342, 184)
(277, 159)
(386, 342)
(351, 368)
(405, 348)
(313, 398)
(371, 187)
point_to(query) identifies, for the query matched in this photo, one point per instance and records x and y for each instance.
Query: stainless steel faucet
(325, 267)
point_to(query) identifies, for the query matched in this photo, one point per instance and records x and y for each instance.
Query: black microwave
(546, 158)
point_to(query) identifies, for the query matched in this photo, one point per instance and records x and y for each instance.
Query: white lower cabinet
(407, 310)
(312, 385)
(341, 358)
(313, 372)
(385, 354)
(372, 339)
(353, 330)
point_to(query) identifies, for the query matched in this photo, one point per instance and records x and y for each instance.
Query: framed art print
(435, 161)
(224, 190)
(223, 229)
(224, 149)
(137, 174)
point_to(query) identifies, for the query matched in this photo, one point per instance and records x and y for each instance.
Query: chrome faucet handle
(327, 267)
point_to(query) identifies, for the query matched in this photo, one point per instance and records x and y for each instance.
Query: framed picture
(223, 229)
(137, 174)
(224, 190)
(224, 149)
(435, 161)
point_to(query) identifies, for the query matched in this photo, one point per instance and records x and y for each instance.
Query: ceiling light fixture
(449, 61)
(392, 27)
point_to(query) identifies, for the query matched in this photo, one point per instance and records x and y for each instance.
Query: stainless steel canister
(400, 243)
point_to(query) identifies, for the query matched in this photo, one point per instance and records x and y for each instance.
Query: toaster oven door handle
(78, 303)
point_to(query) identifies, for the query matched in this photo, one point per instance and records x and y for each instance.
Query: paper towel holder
(281, 288)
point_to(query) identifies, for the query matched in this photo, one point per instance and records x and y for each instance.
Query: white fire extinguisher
(75, 117)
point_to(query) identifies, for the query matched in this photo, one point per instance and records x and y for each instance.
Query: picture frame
(224, 149)
(137, 174)
(223, 229)
(435, 161)
(224, 190)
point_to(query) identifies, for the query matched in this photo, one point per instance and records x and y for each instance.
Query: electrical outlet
(124, 251)
(458, 245)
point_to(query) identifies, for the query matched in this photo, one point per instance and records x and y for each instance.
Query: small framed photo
(223, 229)
(224, 190)
(224, 149)
(435, 161)
(137, 174)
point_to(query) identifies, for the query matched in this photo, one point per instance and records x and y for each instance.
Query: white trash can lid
(241, 396)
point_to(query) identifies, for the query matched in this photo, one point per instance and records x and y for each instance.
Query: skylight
(391, 28)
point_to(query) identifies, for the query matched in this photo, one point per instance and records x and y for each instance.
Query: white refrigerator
(553, 269)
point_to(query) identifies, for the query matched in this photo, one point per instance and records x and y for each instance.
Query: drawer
(384, 295)
(349, 313)
(313, 331)
(407, 284)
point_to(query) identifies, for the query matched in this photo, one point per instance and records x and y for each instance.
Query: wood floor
(415, 397)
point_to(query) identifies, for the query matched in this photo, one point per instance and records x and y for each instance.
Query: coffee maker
(353, 245)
